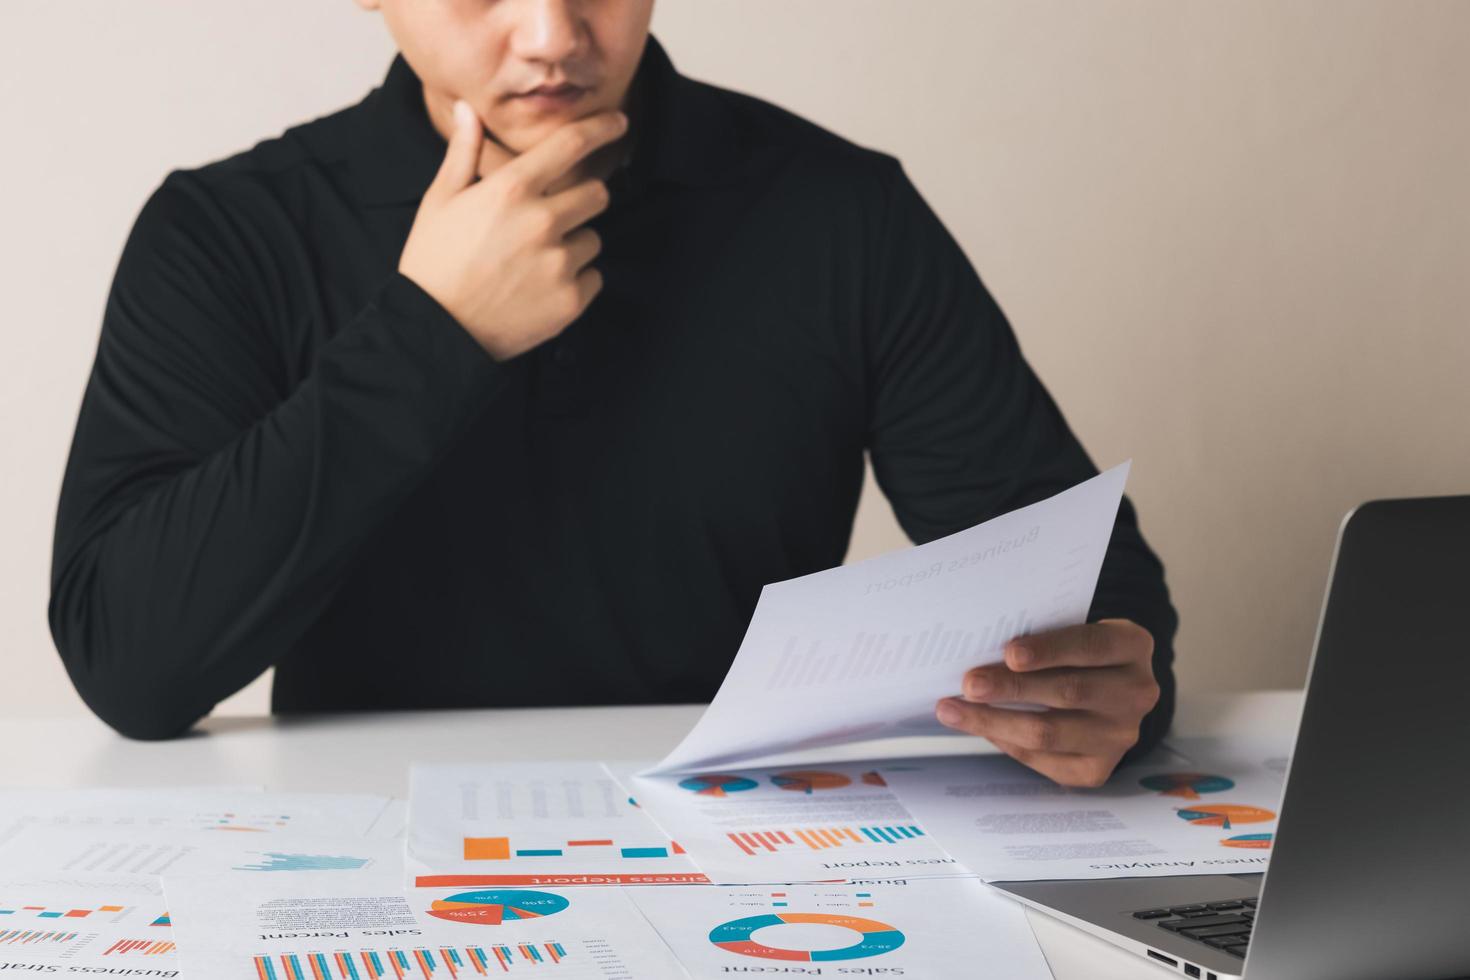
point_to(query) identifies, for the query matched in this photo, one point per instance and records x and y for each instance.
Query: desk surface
(372, 753)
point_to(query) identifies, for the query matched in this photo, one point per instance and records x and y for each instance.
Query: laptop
(1369, 877)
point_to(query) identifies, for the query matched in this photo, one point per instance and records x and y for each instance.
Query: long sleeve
(211, 503)
(962, 429)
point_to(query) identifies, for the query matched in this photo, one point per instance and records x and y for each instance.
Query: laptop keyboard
(1223, 925)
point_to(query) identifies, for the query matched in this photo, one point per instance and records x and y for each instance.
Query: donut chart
(1186, 785)
(874, 938)
(1224, 815)
(715, 784)
(491, 908)
(810, 780)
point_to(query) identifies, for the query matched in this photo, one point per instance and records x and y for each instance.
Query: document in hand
(865, 650)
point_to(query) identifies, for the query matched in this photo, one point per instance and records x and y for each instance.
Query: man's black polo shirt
(289, 454)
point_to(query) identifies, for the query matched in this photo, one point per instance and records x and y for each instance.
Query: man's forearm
(171, 592)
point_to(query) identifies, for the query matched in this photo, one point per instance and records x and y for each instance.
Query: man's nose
(550, 31)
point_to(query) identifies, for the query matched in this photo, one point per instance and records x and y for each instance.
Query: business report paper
(222, 811)
(866, 650)
(930, 929)
(1209, 807)
(152, 852)
(368, 926)
(73, 924)
(789, 824)
(541, 823)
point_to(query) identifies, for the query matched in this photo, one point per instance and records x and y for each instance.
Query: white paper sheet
(789, 824)
(148, 852)
(1210, 809)
(198, 809)
(929, 929)
(280, 927)
(866, 650)
(84, 924)
(392, 823)
(542, 823)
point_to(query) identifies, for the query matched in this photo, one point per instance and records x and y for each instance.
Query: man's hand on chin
(1097, 681)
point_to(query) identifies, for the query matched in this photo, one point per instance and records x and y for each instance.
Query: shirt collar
(683, 132)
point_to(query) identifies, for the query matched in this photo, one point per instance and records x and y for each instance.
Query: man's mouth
(564, 92)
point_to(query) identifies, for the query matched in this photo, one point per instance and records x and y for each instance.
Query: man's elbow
(135, 697)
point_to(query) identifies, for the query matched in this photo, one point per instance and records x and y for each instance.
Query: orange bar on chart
(487, 848)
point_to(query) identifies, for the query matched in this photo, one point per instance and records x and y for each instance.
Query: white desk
(372, 753)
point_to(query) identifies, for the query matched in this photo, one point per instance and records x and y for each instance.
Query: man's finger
(563, 149)
(589, 284)
(1066, 769)
(457, 170)
(582, 247)
(1103, 644)
(493, 156)
(1039, 731)
(578, 204)
(1108, 689)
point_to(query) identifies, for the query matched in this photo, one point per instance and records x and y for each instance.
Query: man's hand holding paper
(1097, 681)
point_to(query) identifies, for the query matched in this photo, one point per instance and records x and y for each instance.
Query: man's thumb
(462, 155)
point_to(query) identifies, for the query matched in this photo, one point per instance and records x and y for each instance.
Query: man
(515, 382)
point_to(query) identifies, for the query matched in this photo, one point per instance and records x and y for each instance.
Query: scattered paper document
(866, 650)
(181, 809)
(150, 852)
(1211, 812)
(392, 822)
(929, 929)
(796, 824)
(116, 925)
(355, 927)
(542, 823)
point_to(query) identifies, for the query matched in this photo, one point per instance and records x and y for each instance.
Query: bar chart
(754, 842)
(403, 964)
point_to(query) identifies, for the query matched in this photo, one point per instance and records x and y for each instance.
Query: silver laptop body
(1370, 869)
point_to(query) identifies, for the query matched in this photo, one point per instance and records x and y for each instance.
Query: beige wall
(1234, 238)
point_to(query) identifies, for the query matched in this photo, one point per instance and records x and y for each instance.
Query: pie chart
(716, 785)
(1186, 785)
(873, 938)
(1248, 840)
(810, 780)
(491, 908)
(1224, 815)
